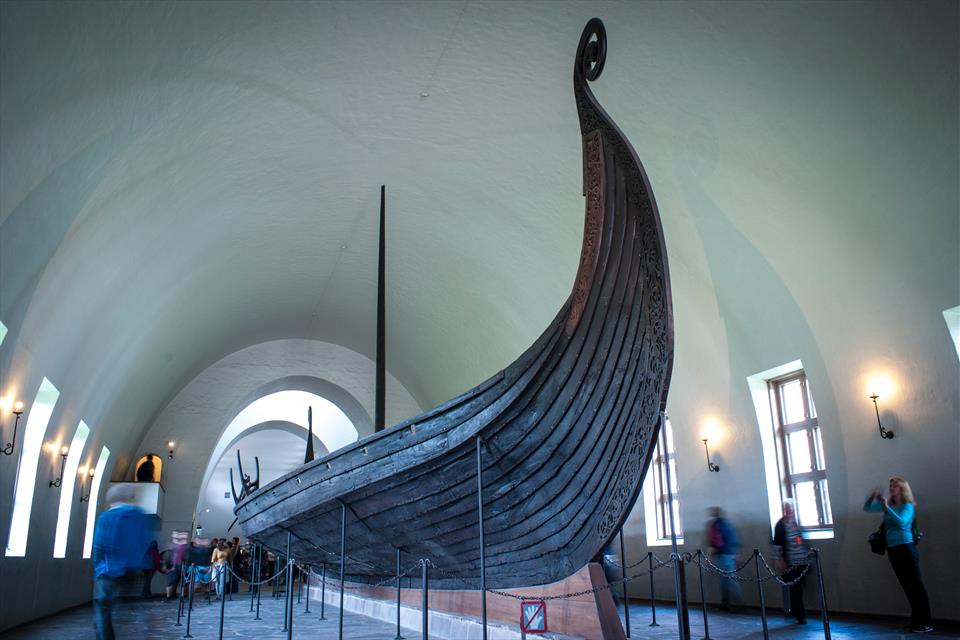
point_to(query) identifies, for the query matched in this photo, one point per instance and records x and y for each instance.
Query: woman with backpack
(899, 514)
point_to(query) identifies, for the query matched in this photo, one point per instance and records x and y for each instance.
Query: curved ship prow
(566, 430)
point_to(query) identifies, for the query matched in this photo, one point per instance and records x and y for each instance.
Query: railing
(294, 576)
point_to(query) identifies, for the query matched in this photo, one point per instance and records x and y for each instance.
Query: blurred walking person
(723, 546)
(178, 550)
(155, 562)
(120, 543)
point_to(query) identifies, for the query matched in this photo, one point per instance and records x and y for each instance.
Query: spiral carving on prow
(592, 51)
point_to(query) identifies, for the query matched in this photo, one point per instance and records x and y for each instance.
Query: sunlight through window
(66, 489)
(92, 504)
(36, 429)
(659, 499)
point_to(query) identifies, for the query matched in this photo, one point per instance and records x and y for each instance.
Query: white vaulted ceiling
(180, 181)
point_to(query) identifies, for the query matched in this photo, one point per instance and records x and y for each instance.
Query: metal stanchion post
(273, 583)
(343, 557)
(653, 598)
(623, 573)
(399, 637)
(763, 607)
(683, 607)
(299, 584)
(291, 567)
(253, 574)
(306, 609)
(323, 591)
(679, 576)
(424, 563)
(823, 597)
(223, 596)
(483, 557)
(259, 581)
(703, 595)
(180, 596)
(190, 603)
(288, 587)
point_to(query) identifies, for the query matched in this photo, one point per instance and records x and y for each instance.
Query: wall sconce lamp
(86, 498)
(64, 450)
(886, 435)
(170, 444)
(712, 467)
(17, 411)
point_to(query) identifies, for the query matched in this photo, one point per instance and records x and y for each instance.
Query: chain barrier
(730, 575)
(335, 582)
(584, 592)
(450, 576)
(704, 561)
(608, 560)
(776, 576)
(724, 572)
(686, 558)
(253, 582)
(700, 559)
(661, 563)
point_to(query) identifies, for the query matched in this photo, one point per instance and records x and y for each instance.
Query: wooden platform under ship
(563, 435)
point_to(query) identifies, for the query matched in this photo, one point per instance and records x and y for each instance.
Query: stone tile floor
(155, 619)
(746, 625)
(149, 620)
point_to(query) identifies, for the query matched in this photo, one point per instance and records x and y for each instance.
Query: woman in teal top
(898, 514)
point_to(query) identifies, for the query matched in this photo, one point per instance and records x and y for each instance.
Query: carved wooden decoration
(567, 428)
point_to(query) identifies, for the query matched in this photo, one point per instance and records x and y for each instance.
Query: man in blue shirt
(120, 543)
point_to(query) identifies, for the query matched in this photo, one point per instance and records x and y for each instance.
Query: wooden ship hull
(566, 431)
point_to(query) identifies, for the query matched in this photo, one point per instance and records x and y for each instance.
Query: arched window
(148, 468)
(67, 496)
(37, 420)
(92, 498)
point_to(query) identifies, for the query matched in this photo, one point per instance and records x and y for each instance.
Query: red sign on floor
(533, 616)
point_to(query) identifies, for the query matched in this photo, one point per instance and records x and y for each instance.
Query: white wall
(183, 181)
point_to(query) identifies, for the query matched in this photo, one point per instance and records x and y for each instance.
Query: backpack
(716, 537)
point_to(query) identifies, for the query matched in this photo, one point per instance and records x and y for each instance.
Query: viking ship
(565, 432)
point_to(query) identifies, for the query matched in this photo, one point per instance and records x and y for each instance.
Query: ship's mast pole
(380, 408)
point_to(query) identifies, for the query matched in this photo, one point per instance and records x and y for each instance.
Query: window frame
(809, 424)
(656, 497)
